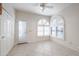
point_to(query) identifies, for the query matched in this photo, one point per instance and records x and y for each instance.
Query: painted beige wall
(71, 18)
(7, 45)
(31, 20)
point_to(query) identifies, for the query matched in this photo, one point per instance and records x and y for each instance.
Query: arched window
(57, 27)
(43, 28)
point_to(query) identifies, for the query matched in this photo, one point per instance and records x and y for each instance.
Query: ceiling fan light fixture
(41, 8)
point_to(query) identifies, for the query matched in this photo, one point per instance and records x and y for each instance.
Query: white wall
(31, 20)
(0, 34)
(71, 18)
(9, 42)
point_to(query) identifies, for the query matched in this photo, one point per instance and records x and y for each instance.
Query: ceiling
(35, 8)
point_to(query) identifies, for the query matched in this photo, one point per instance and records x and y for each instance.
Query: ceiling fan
(45, 5)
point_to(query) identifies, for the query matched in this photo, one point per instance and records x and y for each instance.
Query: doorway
(22, 31)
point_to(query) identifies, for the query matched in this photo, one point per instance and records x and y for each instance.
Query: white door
(22, 31)
(5, 33)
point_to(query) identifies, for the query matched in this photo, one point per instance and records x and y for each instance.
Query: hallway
(44, 48)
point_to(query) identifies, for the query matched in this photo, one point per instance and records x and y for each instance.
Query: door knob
(2, 37)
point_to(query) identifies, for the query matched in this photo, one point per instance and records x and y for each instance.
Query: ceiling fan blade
(42, 4)
(49, 6)
(46, 5)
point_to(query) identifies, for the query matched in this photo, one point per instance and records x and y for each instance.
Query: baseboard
(36, 41)
(68, 46)
(10, 50)
(22, 43)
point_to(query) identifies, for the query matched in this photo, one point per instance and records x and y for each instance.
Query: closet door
(5, 33)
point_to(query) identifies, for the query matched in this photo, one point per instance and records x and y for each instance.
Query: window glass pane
(46, 33)
(46, 23)
(40, 33)
(60, 22)
(40, 22)
(43, 22)
(60, 35)
(40, 28)
(54, 23)
(46, 28)
(53, 28)
(53, 33)
(60, 28)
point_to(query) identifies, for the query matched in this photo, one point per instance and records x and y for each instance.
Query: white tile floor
(44, 48)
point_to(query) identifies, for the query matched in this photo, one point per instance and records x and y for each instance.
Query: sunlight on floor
(44, 48)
